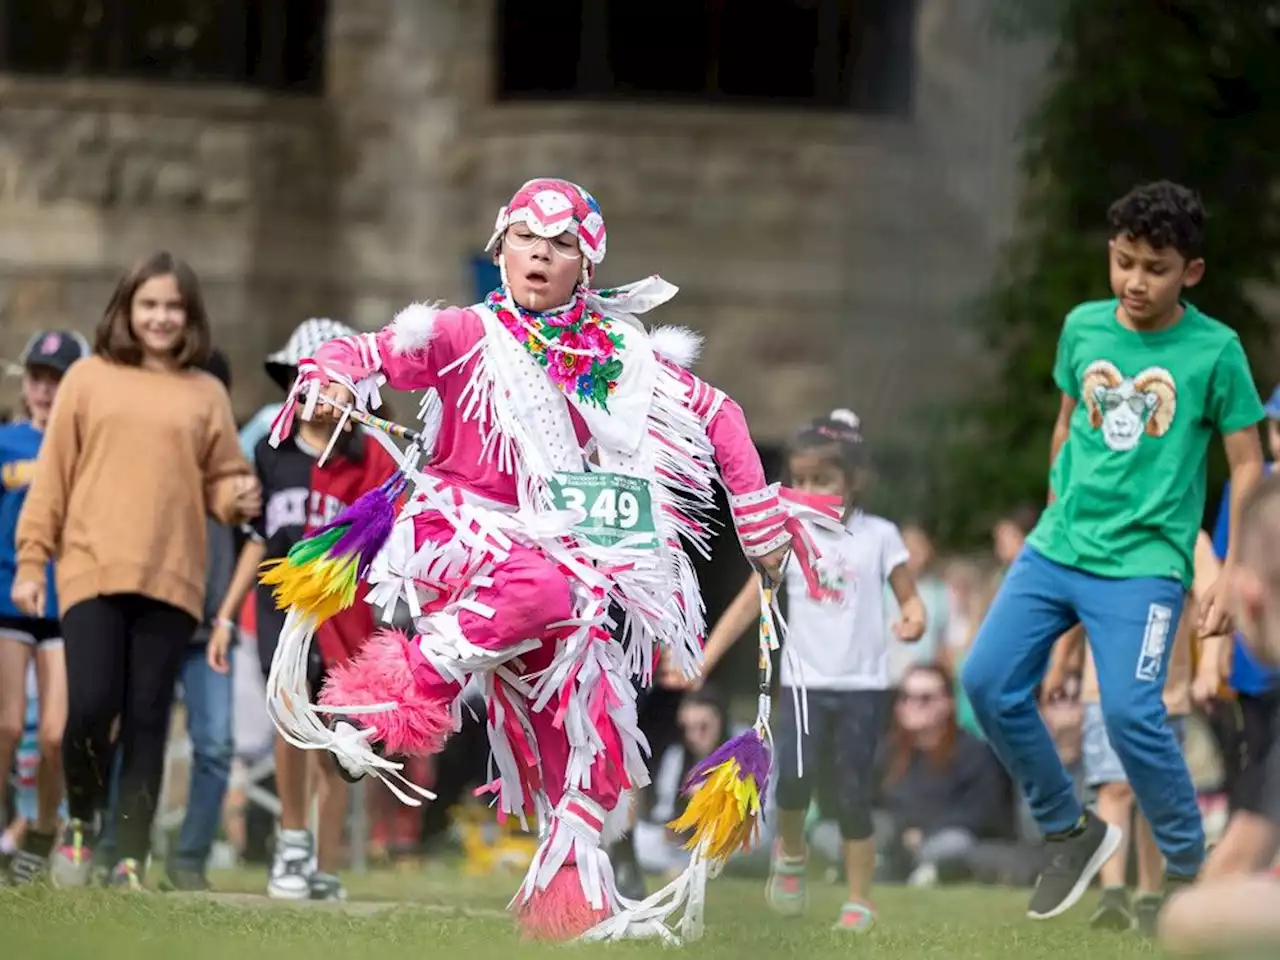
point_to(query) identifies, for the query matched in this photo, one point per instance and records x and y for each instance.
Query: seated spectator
(944, 791)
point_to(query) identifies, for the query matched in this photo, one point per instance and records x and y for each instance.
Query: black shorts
(35, 632)
(845, 730)
(1259, 772)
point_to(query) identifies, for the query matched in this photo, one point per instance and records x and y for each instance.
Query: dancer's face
(542, 272)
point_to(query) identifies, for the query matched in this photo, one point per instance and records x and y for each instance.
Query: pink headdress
(550, 207)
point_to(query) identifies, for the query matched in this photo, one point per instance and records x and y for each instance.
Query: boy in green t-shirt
(1146, 380)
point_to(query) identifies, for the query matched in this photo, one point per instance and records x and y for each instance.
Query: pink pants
(529, 592)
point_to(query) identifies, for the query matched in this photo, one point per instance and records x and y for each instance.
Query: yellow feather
(724, 812)
(320, 589)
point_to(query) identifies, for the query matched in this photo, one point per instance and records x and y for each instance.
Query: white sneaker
(925, 875)
(292, 866)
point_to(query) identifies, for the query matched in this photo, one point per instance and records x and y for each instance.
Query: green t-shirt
(1129, 483)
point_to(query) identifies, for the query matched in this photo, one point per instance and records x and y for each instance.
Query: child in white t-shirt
(838, 654)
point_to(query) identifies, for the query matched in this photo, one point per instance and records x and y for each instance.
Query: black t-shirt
(285, 475)
(298, 497)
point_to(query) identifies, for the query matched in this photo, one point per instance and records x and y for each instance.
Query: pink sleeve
(758, 515)
(408, 354)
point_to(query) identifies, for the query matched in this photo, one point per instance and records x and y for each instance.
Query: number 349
(611, 509)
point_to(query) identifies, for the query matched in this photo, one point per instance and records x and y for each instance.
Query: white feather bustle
(618, 820)
(412, 327)
(680, 345)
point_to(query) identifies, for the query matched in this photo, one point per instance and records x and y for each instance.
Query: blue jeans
(1131, 626)
(208, 699)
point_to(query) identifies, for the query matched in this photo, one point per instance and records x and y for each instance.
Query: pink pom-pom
(560, 912)
(381, 673)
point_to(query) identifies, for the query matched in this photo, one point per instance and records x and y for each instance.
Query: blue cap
(1273, 405)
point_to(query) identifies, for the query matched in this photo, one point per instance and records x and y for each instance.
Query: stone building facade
(825, 256)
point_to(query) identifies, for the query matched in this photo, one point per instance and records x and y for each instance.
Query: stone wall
(825, 258)
(94, 176)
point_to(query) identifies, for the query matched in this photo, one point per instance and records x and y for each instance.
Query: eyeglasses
(923, 699)
(565, 245)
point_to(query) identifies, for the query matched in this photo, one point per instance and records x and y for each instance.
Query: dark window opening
(277, 45)
(829, 54)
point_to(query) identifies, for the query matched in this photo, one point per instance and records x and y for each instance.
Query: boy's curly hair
(1165, 214)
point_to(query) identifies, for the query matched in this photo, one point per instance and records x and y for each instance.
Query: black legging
(123, 655)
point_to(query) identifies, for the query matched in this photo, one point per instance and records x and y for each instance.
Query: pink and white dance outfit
(500, 582)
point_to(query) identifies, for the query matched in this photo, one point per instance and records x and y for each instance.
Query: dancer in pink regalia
(570, 451)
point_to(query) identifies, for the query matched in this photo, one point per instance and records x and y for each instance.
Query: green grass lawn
(384, 922)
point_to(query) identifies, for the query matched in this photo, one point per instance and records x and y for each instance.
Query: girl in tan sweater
(139, 447)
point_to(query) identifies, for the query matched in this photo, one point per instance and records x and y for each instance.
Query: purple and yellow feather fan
(320, 574)
(726, 790)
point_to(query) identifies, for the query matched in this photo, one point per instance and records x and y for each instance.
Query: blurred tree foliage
(1187, 90)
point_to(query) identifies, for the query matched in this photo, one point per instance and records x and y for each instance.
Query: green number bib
(617, 507)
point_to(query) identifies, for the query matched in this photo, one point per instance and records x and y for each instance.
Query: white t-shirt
(843, 645)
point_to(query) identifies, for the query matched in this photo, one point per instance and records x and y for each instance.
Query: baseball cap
(54, 349)
(1273, 405)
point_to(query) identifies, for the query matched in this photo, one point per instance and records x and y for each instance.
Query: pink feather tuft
(381, 673)
(561, 911)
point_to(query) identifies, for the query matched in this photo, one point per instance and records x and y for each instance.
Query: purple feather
(751, 753)
(369, 522)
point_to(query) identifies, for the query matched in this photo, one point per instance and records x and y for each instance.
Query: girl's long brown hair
(114, 337)
(900, 748)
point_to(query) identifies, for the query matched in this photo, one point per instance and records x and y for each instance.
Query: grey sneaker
(292, 866)
(72, 861)
(183, 879)
(1073, 863)
(1146, 913)
(31, 862)
(1113, 911)
(325, 886)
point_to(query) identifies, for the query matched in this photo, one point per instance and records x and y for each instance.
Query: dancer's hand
(333, 399)
(28, 596)
(773, 562)
(217, 654)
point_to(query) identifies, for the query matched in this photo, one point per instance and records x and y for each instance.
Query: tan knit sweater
(132, 460)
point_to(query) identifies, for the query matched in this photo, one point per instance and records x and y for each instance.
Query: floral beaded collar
(580, 350)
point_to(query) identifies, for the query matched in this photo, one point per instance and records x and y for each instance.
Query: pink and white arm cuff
(761, 521)
(355, 362)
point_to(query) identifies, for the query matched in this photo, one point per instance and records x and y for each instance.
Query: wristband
(224, 622)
